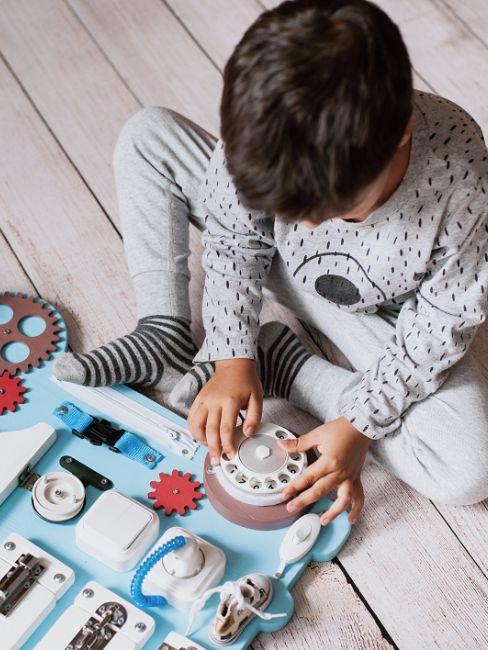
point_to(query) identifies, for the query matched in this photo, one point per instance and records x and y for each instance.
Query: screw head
(140, 627)
(210, 470)
(2, 391)
(87, 593)
(103, 481)
(59, 578)
(150, 458)
(185, 452)
(62, 410)
(7, 331)
(9, 546)
(68, 459)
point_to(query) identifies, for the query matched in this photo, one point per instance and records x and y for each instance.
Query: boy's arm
(239, 247)
(434, 327)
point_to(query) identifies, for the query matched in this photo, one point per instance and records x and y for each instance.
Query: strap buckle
(101, 432)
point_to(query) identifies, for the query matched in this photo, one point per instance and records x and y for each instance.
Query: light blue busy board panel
(246, 550)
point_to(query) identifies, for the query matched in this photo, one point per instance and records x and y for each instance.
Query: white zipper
(134, 416)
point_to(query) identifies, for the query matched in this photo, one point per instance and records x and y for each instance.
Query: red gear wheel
(41, 346)
(11, 392)
(175, 492)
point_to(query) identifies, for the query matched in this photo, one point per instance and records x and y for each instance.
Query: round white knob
(302, 533)
(263, 452)
(186, 561)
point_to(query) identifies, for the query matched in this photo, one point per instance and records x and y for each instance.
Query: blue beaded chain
(140, 599)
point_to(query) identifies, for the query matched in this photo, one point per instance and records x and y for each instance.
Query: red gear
(175, 492)
(10, 392)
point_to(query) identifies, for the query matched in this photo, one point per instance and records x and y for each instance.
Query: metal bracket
(86, 474)
(99, 630)
(28, 478)
(17, 582)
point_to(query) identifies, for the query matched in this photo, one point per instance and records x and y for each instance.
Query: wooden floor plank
(444, 52)
(412, 570)
(328, 616)
(67, 246)
(155, 55)
(470, 523)
(474, 14)
(13, 276)
(217, 37)
(75, 88)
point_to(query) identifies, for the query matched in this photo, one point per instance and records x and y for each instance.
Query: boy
(361, 205)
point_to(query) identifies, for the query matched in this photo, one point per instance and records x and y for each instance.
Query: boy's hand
(235, 386)
(343, 450)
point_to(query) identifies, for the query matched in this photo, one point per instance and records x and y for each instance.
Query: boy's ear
(407, 133)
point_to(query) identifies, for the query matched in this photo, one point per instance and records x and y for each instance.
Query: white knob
(302, 533)
(186, 561)
(263, 452)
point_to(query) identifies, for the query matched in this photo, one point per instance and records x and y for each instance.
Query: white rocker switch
(117, 530)
(99, 618)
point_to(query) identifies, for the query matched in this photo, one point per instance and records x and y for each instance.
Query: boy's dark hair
(317, 96)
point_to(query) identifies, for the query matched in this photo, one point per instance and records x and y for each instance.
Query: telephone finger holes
(284, 479)
(241, 478)
(231, 469)
(293, 469)
(255, 484)
(295, 456)
(281, 435)
(269, 484)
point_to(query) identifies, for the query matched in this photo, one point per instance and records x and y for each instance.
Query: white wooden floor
(414, 574)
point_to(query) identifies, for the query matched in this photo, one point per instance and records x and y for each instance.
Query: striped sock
(280, 358)
(157, 353)
(191, 384)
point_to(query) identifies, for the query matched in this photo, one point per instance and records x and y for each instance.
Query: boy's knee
(464, 485)
(148, 124)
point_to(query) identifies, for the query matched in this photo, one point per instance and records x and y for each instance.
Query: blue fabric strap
(73, 417)
(131, 446)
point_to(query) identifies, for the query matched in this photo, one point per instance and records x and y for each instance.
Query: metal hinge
(28, 478)
(17, 582)
(99, 630)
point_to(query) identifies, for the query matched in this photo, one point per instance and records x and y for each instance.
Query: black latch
(101, 432)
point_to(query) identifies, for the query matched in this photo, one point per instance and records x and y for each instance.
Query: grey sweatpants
(441, 448)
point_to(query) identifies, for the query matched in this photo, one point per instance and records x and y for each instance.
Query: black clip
(101, 432)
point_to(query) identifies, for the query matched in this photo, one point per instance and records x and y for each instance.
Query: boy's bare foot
(157, 353)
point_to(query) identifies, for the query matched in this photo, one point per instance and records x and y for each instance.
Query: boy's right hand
(235, 386)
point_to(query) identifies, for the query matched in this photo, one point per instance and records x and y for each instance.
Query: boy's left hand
(343, 451)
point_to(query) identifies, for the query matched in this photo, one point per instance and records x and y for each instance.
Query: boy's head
(317, 97)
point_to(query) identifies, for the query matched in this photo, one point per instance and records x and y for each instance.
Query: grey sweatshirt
(423, 253)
